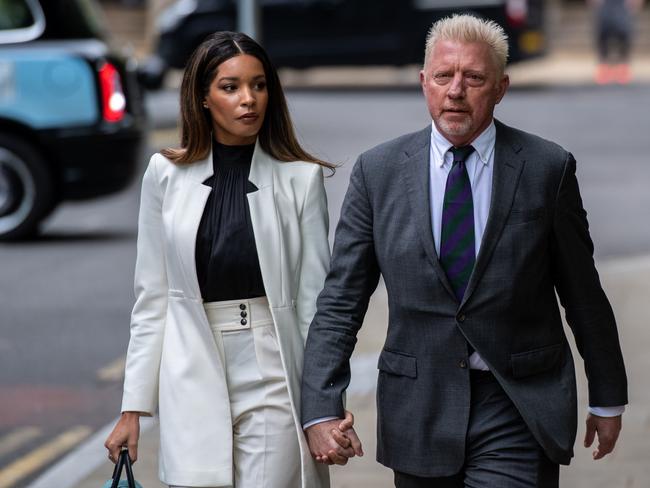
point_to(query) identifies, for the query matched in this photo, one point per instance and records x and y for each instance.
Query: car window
(20, 20)
(15, 14)
(73, 19)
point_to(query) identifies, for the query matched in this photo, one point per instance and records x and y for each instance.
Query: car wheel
(26, 193)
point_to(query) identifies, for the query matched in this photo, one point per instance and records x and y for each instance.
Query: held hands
(607, 428)
(334, 441)
(125, 433)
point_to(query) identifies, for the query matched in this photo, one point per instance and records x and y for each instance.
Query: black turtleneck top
(227, 264)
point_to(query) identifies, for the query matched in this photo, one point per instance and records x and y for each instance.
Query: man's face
(462, 83)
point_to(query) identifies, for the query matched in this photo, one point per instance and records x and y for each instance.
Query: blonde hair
(467, 28)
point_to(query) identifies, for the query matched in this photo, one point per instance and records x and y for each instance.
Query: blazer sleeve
(149, 312)
(341, 306)
(314, 230)
(588, 311)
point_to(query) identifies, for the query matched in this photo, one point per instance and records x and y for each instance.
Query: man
(474, 226)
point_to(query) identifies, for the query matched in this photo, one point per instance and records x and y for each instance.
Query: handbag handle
(123, 461)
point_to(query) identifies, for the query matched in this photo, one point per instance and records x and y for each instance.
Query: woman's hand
(126, 433)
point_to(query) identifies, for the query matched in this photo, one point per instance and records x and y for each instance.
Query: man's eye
(442, 77)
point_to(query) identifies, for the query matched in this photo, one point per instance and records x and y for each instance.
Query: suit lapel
(193, 195)
(416, 175)
(266, 227)
(508, 164)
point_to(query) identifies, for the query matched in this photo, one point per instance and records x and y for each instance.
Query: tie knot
(461, 153)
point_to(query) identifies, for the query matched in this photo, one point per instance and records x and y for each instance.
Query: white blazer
(172, 362)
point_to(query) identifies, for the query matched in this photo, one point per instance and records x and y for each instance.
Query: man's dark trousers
(500, 450)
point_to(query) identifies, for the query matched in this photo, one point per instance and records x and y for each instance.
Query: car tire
(26, 188)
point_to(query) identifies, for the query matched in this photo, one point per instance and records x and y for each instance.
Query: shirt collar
(483, 144)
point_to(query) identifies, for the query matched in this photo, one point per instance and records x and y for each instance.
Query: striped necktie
(457, 250)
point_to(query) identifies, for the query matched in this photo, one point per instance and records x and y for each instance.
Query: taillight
(516, 12)
(113, 100)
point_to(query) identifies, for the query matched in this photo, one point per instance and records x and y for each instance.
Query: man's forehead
(468, 54)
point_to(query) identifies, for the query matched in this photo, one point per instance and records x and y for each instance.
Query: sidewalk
(626, 282)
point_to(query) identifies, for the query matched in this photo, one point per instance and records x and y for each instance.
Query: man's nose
(457, 86)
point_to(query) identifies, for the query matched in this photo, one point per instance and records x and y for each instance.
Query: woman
(232, 252)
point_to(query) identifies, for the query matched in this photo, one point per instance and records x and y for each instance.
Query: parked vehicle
(306, 33)
(71, 112)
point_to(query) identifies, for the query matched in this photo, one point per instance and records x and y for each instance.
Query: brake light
(113, 100)
(516, 12)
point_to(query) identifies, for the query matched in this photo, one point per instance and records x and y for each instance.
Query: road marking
(114, 371)
(18, 438)
(88, 457)
(39, 457)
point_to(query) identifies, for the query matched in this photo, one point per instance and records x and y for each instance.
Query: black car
(71, 112)
(307, 33)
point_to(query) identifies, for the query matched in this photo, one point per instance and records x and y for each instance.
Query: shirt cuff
(607, 411)
(318, 420)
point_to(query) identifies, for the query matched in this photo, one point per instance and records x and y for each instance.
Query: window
(20, 20)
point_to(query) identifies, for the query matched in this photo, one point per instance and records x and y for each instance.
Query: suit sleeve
(314, 230)
(149, 311)
(588, 311)
(341, 306)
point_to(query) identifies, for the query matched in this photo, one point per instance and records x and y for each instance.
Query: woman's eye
(229, 88)
(261, 85)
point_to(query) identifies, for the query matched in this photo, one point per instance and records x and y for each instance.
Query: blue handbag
(123, 462)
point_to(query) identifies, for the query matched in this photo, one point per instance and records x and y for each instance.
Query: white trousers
(266, 453)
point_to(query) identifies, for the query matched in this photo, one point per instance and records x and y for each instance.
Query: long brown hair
(276, 136)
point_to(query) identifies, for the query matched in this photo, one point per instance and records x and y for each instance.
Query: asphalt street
(65, 298)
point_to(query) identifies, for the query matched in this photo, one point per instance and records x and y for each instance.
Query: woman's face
(237, 100)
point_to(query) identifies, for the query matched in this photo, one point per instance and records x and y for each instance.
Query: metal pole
(248, 18)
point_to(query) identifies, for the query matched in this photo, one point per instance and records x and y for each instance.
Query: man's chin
(454, 129)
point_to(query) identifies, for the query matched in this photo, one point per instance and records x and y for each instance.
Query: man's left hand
(607, 428)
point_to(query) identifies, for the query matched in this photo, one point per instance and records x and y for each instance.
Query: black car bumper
(95, 161)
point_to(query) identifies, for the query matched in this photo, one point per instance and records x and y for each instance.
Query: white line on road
(114, 371)
(17, 439)
(76, 466)
(36, 459)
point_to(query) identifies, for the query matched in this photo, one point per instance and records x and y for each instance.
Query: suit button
(243, 313)
(242, 306)
(461, 317)
(462, 364)
(244, 321)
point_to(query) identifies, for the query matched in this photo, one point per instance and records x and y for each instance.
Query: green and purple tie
(457, 247)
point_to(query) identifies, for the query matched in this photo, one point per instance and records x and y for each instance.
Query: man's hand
(329, 445)
(346, 427)
(607, 428)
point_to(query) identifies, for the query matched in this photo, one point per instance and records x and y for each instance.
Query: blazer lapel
(266, 227)
(193, 195)
(508, 165)
(416, 171)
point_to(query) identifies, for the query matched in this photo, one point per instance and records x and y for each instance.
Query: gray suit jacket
(536, 243)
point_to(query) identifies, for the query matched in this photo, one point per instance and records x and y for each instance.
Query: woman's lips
(249, 118)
